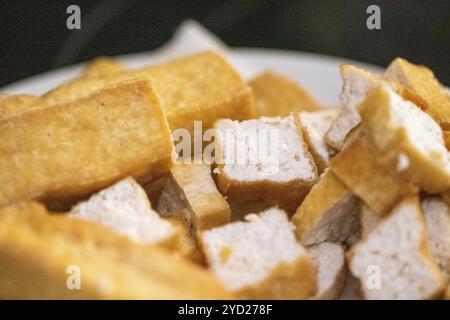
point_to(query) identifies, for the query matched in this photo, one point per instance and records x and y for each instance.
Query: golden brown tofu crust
(200, 87)
(374, 183)
(36, 249)
(277, 95)
(422, 81)
(70, 150)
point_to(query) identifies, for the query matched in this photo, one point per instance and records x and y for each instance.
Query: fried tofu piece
(407, 139)
(190, 191)
(277, 95)
(102, 66)
(328, 213)
(64, 152)
(357, 83)
(260, 258)
(264, 158)
(437, 220)
(357, 166)
(397, 253)
(422, 81)
(200, 87)
(315, 126)
(41, 254)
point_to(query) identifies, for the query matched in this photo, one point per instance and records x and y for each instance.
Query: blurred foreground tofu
(260, 258)
(42, 254)
(72, 149)
(125, 209)
(11, 105)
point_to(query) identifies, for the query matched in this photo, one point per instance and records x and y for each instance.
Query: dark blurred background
(34, 37)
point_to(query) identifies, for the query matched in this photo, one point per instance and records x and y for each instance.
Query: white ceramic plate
(317, 73)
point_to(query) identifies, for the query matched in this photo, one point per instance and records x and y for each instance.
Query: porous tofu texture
(245, 253)
(265, 149)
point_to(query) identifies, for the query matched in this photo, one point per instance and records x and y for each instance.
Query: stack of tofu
(300, 202)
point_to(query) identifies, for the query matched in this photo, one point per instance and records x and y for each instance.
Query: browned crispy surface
(72, 149)
(277, 95)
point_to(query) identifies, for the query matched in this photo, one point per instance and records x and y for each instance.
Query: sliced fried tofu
(407, 139)
(190, 191)
(421, 80)
(200, 87)
(102, 66)
(357, 167)
(437, 220)
(357, 83)
(260, 258)
(125, 208)
(328, 213)
(65, 152)
(42, 255)
(264, 158)
(315, 125)
(276, 95)
(394, 260)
